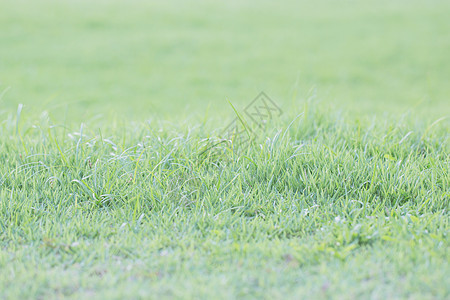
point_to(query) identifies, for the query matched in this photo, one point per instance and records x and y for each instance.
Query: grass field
(116, 181)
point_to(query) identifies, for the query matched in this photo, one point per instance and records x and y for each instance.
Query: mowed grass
(109, 187)
(324, 208)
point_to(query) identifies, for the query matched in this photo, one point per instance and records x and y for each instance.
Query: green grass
(172, 59)
(106, 190)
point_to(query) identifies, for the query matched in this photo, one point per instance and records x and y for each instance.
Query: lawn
(120, 177)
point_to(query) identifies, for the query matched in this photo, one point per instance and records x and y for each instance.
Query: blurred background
(187, 59)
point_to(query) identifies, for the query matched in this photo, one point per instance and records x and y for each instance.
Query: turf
(115, 181)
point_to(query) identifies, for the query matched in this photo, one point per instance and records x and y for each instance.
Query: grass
(171, 59)
(109, 187)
